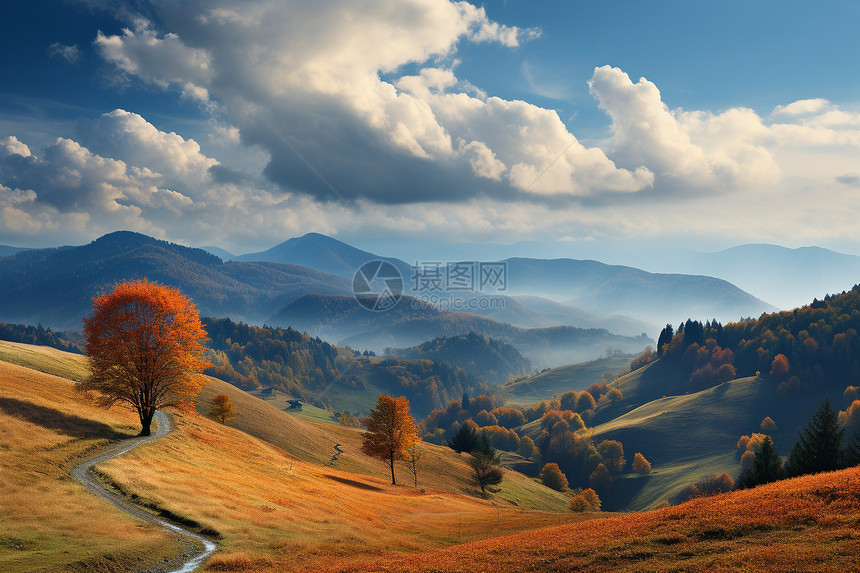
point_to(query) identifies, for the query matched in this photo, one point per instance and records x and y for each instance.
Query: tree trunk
(146, 415)
(391, 463)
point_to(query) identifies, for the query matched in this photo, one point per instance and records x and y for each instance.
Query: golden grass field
(311, 442)
(275, 506)
(809, 524)
(47, 521)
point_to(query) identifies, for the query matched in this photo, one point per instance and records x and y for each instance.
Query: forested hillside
(40, 336)
(484, 358)
(309, 368)
(809, 350)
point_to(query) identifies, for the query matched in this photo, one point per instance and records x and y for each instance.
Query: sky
(411, 126)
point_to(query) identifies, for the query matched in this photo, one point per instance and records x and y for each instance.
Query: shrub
(484, 418)
(568, 400)
(585, 402)
(347, 419)
(502, 438)
(600, 479)
(612, 453)
(573, 421)
(706, 486)
(640, 464)
(597, 390)
(552, 477)
(528, 449)
(645, 358)
(586, 500)
(508, 417)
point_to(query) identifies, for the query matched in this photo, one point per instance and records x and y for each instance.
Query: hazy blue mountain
(558, 313)
(221, 253)
(343, 320)
(324, 254)
(6, 250)
(55, 287)
(786, 277)
(603, 289)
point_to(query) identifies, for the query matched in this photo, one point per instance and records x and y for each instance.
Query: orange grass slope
(276, 513)
(441, 468)
(809, 524)
(48, 522)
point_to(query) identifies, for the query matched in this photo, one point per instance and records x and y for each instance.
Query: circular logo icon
(377, 285)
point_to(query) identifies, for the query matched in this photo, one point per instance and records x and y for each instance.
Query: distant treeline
(251, 356)
(812, 348)
(40, 336)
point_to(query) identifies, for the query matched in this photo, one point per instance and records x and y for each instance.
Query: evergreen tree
(766, 468)
(817, 447)
(694, 332)
(465, 402)
(464, 439)
(483, 446)
(851, 455)
(666, 336)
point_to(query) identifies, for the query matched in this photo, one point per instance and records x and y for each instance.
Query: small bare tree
(412, 461)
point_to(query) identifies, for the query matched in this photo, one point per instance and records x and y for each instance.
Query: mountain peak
(323, 253)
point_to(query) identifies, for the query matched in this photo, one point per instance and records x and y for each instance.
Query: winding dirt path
(192, 556)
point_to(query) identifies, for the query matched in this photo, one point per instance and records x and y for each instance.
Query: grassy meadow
(809, 524)
(262, 485)
(47, 521)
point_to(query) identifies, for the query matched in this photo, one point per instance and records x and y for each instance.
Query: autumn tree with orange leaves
(145, 344)
(391, 431)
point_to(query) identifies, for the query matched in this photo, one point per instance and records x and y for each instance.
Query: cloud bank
(362, 120)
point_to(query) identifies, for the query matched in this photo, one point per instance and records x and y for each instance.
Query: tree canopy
(145, 344)
(222, 408)
(391, 431)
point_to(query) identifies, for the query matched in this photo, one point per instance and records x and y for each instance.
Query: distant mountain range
(343, 319)
(55, 286)
(324, 254)
(549, 292)
(653, 297)
(786, 277)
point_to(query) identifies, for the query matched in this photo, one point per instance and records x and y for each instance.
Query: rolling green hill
(560, 379)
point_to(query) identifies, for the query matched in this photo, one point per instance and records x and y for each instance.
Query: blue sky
(572, 127)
